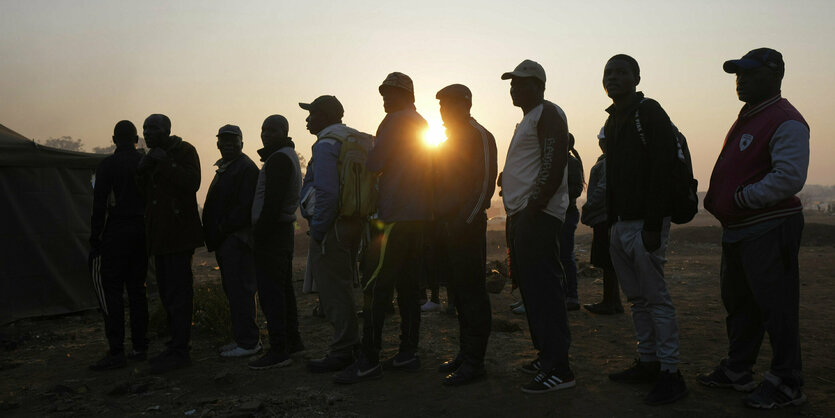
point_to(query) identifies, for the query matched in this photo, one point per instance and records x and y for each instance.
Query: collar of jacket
(266, 152)
(223, 165)
(627, 107)
(747, 111)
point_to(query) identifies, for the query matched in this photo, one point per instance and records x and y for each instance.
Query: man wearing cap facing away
(117, 241)
(227, 225)
(466, 170)
(535, 196)
(402, 161)
(760, 169)
(640, 150)
(273, 214)
(169, 176)
(334, 239)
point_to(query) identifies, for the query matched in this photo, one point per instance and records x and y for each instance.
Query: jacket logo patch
(745, 141)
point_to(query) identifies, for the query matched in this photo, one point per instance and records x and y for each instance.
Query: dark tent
(47, 198)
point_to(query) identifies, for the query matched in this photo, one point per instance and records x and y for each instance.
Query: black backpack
(683, 187)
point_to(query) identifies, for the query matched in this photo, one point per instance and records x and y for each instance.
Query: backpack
(357, 186)
(683, 187)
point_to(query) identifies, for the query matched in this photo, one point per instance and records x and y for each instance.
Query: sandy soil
(44, 361)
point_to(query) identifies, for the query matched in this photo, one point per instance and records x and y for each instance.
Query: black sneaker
(639, 372)
(329, 364)
(360, 371)
(168, 361)
(719, 379)
(451, 366)
(533, 367)
(404, 361)
(465, 374)
(669, 388)
(604, 308)
(770, 396)
(109, 362)
(271, 359)
(549, 382)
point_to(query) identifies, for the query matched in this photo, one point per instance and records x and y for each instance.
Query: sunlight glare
(435, 135)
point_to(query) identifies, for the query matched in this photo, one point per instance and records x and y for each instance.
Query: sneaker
(669, 388)
(549, 382)
(430, 306)
(227, 347)
(360, 371)
(404, 361)
(450, 366)
(719, 379)
(328, 364)
(639, 372)
(533, 367)
(168, 361)
(604, 308)
(519, 310)
(464, 375)
(271, 359)
(769, 396)
(239, 351)
(516, 304)
(109, 362)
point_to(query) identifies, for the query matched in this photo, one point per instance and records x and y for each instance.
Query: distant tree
(65, 142)
(105, 150)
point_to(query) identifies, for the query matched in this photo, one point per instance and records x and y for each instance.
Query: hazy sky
(77, 67)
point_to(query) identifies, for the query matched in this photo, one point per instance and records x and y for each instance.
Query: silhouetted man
(761, 168)
(535, 195)
(273, 214)
(334, 239)
(169, 177)
(640, 152)
(466, 170)
(227, 223)
(117, 240)
(402, 161)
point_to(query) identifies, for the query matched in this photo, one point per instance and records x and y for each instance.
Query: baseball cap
(230, 130)
(455, 91)
(760, 57)
(399, 80)
(328, 105)
(527, 68)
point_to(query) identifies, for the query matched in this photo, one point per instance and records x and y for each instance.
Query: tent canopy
(47, 199)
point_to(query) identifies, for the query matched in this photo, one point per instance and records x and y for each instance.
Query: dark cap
(399, 80)
(455, 91)
(229, 130)
(760, 57)
(328, 105)
(527, 68)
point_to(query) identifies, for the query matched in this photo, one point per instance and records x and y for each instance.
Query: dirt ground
(43, 364)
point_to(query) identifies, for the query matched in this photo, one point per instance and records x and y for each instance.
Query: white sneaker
(227, 347)
(430, 306)
(239, 351)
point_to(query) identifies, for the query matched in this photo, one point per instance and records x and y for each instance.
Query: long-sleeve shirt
(116, 195)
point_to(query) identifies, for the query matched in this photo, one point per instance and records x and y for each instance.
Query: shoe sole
(775, 405)
(566, 385)
(248, 353)
(280, 364)
(746, 388)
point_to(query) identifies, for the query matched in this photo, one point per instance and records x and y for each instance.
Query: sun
(435, 135)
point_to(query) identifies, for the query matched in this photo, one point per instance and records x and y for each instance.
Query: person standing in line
(576, 182)
(273, 213)
(466, 179)
(117, 241)
(535, 195)
(169, 177)
(753, 192)
(227, 215)
(334, 240)
(640, 144)
(403, 163)
(594, 215)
